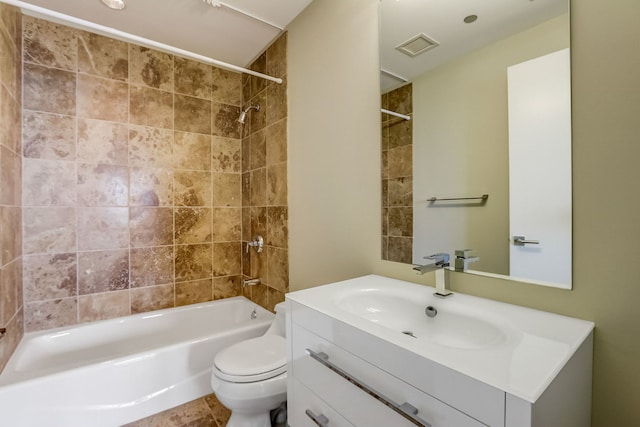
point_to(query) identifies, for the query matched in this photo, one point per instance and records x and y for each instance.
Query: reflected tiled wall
(264, 177)
(11, 310)
(397, 176)
(133, 178)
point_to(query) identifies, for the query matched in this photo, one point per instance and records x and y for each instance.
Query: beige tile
(103, 228)
(10, 236)
(103, 185)
(49, 90)
(278, 268)
(49, 44)
(401, 221)
(49, 183)
(194, 292)
(150, 147)
(192, 414)
(15, 332)
(226, 155)
(103, 306)
(150, 187)
(193, 262)
(258, 119)
(400, 133)
(103, 99)
(10, 177)
(246, 189)
(226, 86)
(192, 78)
(400, 161)
(257, 84)
(277, 226)
(400, 99)
(400, 191)
(192, 188)
(152, 298)
(151, 226)
(10, 114)
(227, 189)
(277, 57)
(258, 187)
(49, 230)
(150, 68)
(276, 142)
(103, 56)
(11, 296)
(192, 114)
(276, 102)
(227, 287)
(277, 185)
(48, 136)
(192, 151)
(103, 142)
(150, 107)
(400, 249)
(227, 259)
(151, 266)
(50, 314)
(226, 224)
(225, 120)
(259, 222)
(257, 150)
(192, 225)
(103, 271)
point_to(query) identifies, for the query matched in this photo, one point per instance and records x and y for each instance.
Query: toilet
(250, 377)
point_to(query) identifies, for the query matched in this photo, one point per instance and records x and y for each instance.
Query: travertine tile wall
(397, 176)
(132, 173)
(264, 177)
(11, 310)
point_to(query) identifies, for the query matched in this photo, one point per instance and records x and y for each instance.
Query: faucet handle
(439, 258)
(463, 253)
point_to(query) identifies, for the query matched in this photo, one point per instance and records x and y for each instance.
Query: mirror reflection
(486, 91)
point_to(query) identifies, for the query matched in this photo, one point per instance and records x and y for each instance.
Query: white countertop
(531, 349)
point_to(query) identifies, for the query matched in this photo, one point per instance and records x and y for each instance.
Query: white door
(540, 168)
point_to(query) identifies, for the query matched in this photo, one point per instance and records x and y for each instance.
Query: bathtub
(112, 372)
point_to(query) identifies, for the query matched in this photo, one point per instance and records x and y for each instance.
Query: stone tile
(193, 414)
(384, 164)
(192, 78)
(50, 276)
(246, 189)
(276, 102)
(258, 119)
(194, 292)
(400, 249)
(152, 298)
(259, 187)
(400, 133)
(103, 306)
(49, 230)
(50, 314)
(103, 56)
(225, 120)
(227, 259)
(103, 228)
(150, 107)
(150, 68)
(11, 297)
(103, 142)
(227, 189)
(260, 294)
(258, 85)
(401, 99)
(192, 188)
(277, 57)
(277, 185)
(276, 143)
(257, 150)
(150, 147)
(15, 332)
(275, 297)
(400, 162)
(258, 264)
(385, 193)
(10, 177)
(226, 224)
(10, 133)
(151, 266)
(9, 65)
(103, 99)
(246, 153)
(150, 187)
(192, 225)
(49, 183)
(400, 191)
(192, 151)
(10, 234)
(49, 90)
(277, 226)
(50, 44)
(103, 185)
(48, 136)
(193, 262)
(192, 114)
(278, 268)
(246, 224)
(226, 86)
(227, 287)
(259, 222)
(151, 226)
(103, 271)
(401, 221)
(226, 155)
(220, 412)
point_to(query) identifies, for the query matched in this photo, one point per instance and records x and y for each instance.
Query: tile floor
(206, 411)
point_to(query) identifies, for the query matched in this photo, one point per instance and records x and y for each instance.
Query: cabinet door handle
(320, 420)
(407, 410)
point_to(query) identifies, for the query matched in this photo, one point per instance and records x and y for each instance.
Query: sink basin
(448, 328)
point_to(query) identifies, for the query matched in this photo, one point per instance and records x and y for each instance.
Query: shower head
(243, 113)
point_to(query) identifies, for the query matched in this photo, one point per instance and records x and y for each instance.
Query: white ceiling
(442, 20)
(192, 25)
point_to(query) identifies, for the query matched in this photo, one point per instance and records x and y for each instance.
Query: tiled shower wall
(397, 176)
(132, 179)
(11, 311)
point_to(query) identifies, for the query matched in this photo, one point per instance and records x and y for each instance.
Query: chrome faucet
(463, 259)
(437, 262)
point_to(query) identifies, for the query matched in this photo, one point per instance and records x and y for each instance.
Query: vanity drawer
(357, 405)
(303, 405)
(445, 386)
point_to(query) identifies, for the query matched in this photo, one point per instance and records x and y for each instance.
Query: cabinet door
(303, 406)
(360, 407)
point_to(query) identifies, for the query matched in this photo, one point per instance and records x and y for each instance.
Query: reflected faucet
(463, 259)
(436, 262)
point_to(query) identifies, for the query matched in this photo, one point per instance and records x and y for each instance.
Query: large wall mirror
(476, 135)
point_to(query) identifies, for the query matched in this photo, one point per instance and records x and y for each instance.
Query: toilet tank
(278, 325)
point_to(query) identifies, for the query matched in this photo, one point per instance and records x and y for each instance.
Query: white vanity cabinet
(344, 375)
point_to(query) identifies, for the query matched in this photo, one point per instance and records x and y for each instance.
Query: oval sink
(449, 328)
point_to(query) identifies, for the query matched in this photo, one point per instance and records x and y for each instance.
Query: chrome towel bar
(407, 410)
(483, 198)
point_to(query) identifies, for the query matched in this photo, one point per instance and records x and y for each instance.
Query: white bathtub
(112, 372)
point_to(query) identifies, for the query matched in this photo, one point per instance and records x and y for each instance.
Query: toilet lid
(253, 356)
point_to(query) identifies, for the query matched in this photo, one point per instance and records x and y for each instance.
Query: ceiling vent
(417, 45)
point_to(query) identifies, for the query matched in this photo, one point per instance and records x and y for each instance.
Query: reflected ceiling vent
(417, 45)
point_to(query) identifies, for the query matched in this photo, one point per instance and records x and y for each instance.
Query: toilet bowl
(250, 377)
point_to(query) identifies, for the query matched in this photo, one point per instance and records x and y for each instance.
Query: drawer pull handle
(320, 420)
(407, 410)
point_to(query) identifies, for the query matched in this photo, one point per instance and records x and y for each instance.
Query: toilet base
(237, 419)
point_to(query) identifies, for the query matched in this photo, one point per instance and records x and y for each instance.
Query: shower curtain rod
(393, 113)
(38, 11)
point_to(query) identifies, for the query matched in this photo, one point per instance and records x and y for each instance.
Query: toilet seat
(252, 360)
